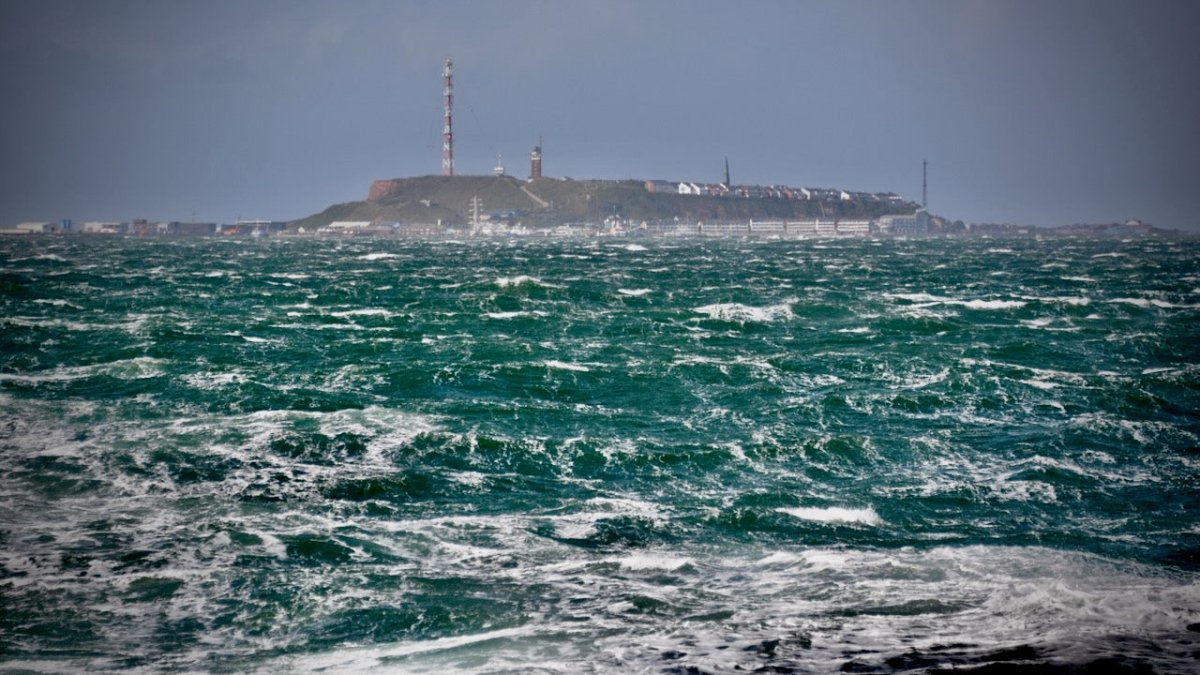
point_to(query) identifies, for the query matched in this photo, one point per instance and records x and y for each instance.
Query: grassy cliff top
(553, 201)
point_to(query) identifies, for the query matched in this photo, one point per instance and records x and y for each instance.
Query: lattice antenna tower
(924, 183)
(448, 125)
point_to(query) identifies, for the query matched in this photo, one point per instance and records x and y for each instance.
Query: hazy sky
(1043, 112)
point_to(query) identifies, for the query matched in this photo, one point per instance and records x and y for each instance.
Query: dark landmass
(1129, 228)
(547, 202)
(443, 205)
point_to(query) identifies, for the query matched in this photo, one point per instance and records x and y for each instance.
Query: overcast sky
(1042, 112)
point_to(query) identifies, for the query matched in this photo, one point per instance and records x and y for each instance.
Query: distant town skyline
(1027, 112)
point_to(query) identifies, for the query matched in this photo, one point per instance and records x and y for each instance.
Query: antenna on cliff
(924, 183)
(448, 126)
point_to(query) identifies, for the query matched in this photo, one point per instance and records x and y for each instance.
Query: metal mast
(924, 184)
(448, 127)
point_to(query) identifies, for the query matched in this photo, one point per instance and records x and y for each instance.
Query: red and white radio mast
(448, 127)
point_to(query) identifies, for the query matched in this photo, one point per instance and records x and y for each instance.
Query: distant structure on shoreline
(924, 184)
(535, 161)
(439, 205)
(448, 122)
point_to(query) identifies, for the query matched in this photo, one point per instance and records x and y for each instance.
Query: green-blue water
(599, 456)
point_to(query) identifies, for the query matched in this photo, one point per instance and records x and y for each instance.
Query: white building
(34, 228)
(800, 228)
(99, 227)
(854, 228)
(349, 225)
(766, 226)
(905, 224)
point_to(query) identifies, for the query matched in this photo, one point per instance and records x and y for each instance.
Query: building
(192, 229)
(766, 227)
(34, 228)
(100, 227)
(854, 228)
(800, 228)
(905, 224)
(535, 161)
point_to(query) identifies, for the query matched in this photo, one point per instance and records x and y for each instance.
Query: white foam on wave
(1147, 303)
(214, 380)
(513, 314)
(562, 365)
(384, 658)
(634, 292)
(36, 322)
(57, 302)
(736, 311)
(869, 605)
(363, 311)
(252, 339)
(928, 300)
(1072, 300)
(834, 514)
(378, 256)
(523, 280)
(323, 326)
(627, 506)
(916, 381)
(42, 256)
(991, 304)
(781, 558)
(1045, 374)
(1145, 433)
(583, 524)
(139, 368)
(1025, 491)
(649, 561)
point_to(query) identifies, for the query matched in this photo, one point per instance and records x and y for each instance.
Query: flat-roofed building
(100, 227)
(854, 228)
(905, 224)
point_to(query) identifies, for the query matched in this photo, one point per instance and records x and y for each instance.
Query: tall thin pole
(448, 127)
(924, 183)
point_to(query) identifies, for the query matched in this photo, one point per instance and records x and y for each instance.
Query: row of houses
(143, 227)
(895, 225)
(771, 191)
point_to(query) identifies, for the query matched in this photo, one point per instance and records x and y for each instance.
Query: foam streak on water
(570, 456)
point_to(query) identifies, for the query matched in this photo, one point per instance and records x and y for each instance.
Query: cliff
(552, 201)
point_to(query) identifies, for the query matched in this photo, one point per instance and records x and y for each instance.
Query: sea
(599, 455)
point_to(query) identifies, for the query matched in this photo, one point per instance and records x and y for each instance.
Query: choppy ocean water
(599, 456)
